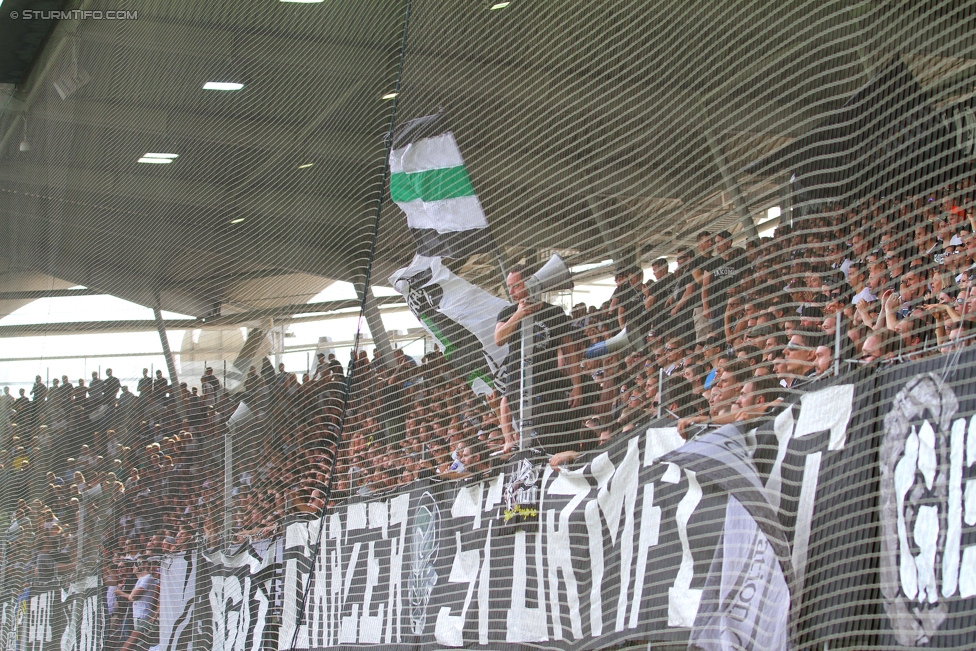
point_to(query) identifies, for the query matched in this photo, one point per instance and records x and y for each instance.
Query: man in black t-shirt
(725, 272)
(557, 394)
(627, 301)
(701, 270)
(110, 386)
(656, 294)
(684, 299)
(145, 385)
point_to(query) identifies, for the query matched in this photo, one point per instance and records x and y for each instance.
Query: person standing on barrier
(724, 277)
(702, 267)
(627, 301)
(557, 389)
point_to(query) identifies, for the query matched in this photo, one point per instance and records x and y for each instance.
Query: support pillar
(748, 225)
(786, 202)
(376, 328)
(170, 365)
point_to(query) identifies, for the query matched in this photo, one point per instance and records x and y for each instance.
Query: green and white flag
(459, 315)
(430, 183)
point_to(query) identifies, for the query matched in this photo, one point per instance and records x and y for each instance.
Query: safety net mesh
(437, 324)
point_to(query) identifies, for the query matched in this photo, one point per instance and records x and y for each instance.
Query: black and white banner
(927, 504)
(53, 618)
(624, 547)
(224, 602)
(846, 520)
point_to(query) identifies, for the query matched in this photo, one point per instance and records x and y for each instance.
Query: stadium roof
(594, 129)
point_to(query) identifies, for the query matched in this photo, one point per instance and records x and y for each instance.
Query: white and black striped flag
(459, 315)
(430, 183)
(746, 601)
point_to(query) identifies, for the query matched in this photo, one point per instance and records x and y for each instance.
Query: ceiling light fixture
(305, 166)
(389, 95)
(158, 159)
(240, 219)
(499, 5)
(222, 85)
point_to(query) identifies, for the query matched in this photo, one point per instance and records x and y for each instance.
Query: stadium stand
(892, 273)
(763, 439)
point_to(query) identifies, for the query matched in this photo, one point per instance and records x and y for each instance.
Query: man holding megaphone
(544, 387)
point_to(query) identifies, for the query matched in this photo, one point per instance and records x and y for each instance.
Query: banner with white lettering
(927, 504)
(43, 626)
(237, 598)
(84, 616)
(844, 519)
(12, 613)
(818, 460)
(225, 602)
(177, 602)
(622, 548)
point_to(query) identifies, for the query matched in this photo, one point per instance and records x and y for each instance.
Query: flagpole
(332, 450)
(500, 262)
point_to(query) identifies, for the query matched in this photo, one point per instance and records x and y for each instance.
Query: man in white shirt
(143, 599)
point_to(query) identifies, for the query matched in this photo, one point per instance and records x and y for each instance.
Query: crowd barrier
(845, 520)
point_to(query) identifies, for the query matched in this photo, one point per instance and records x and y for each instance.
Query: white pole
(525, 384)
(837, 343)
(228, 484)
(660, 391)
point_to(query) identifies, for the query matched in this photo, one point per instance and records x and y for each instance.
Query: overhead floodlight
(222, 85)
(305, 166)
(157, 158)
(389, 95)
(499, 5)
(240, 219)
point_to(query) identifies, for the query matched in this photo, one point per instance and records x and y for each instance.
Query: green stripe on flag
(433, 185)
(474, 375)
(439, 336)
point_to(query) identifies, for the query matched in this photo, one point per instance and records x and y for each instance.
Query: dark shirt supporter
(549, 326)
(549, 386)
(726, 275)
(660, 291)
(631, 301)
(684, 288)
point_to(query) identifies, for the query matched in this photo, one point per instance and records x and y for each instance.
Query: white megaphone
(617, 342)
(553, 275)
(241, 417)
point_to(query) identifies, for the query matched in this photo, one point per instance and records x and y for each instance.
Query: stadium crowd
(730, 332)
